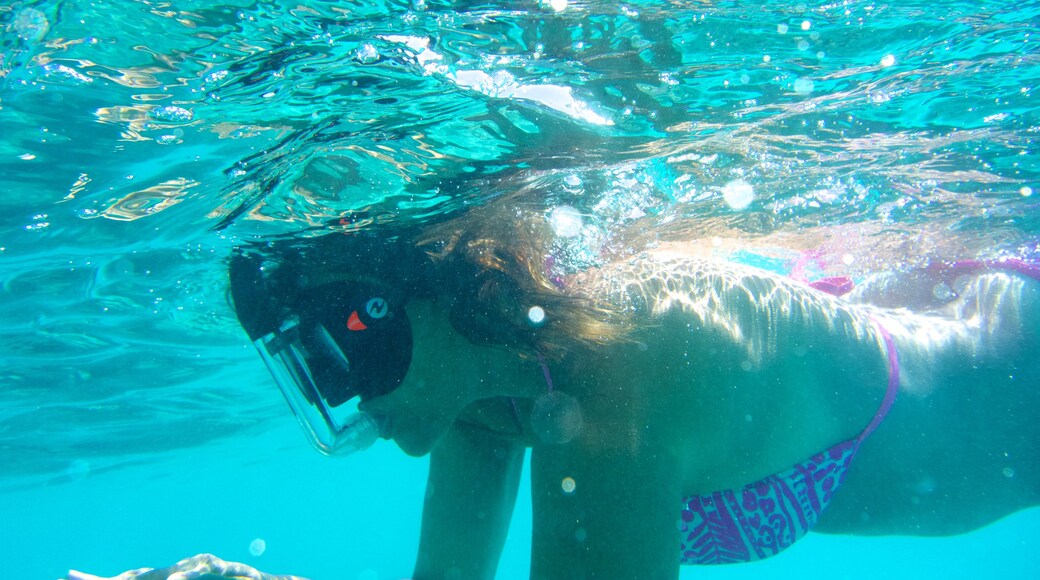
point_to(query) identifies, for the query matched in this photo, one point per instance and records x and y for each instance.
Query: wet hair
(492, 262)
(498, 259)
(270, 280)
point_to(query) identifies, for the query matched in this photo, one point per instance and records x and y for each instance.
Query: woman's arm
(606, 514)
(606, 503)
(470, 494)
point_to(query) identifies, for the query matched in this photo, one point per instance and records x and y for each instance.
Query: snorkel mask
(327, 346)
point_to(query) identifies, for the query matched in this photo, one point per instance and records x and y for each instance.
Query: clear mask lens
(333, 430)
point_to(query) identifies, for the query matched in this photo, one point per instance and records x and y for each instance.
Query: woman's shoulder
(678, 279)
(725, 302)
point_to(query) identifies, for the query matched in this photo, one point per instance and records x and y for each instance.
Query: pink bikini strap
(545, 371)
(893, 382)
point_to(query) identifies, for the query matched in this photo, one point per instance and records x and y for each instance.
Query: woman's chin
(417, 439)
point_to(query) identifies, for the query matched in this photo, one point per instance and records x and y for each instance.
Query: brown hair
(499, 257)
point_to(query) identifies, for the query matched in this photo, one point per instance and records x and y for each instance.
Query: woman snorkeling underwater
(679, 408)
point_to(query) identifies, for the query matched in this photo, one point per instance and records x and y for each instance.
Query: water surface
(142, 140)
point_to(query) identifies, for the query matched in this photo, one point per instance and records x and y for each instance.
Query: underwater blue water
(141, 140)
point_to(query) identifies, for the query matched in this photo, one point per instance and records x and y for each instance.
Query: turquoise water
(140, 141)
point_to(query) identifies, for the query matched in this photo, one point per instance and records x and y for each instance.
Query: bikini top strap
(893, 382)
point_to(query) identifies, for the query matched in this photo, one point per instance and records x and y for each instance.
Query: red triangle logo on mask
(354, 322)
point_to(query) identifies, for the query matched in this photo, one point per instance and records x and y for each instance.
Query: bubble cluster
(566, 221)
(172, 114)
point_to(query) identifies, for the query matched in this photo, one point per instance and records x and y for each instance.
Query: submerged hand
(198, 567)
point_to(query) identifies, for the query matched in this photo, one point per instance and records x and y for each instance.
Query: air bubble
(366, 54)
(1008, 472)
(536, 314)
(803, 86)
(78, 470)
(556, 417)
(30, 24)
(926, 485)
(943, 292)
(878, 98)
(568, 485)
(738, 194)
(888, 60)
(1026, 191)
(257, 547)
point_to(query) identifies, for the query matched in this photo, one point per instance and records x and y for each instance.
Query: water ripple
(143, 140)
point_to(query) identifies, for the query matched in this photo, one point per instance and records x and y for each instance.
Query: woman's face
(447, 373)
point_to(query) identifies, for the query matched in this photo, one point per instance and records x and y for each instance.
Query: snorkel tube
(329, 340)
